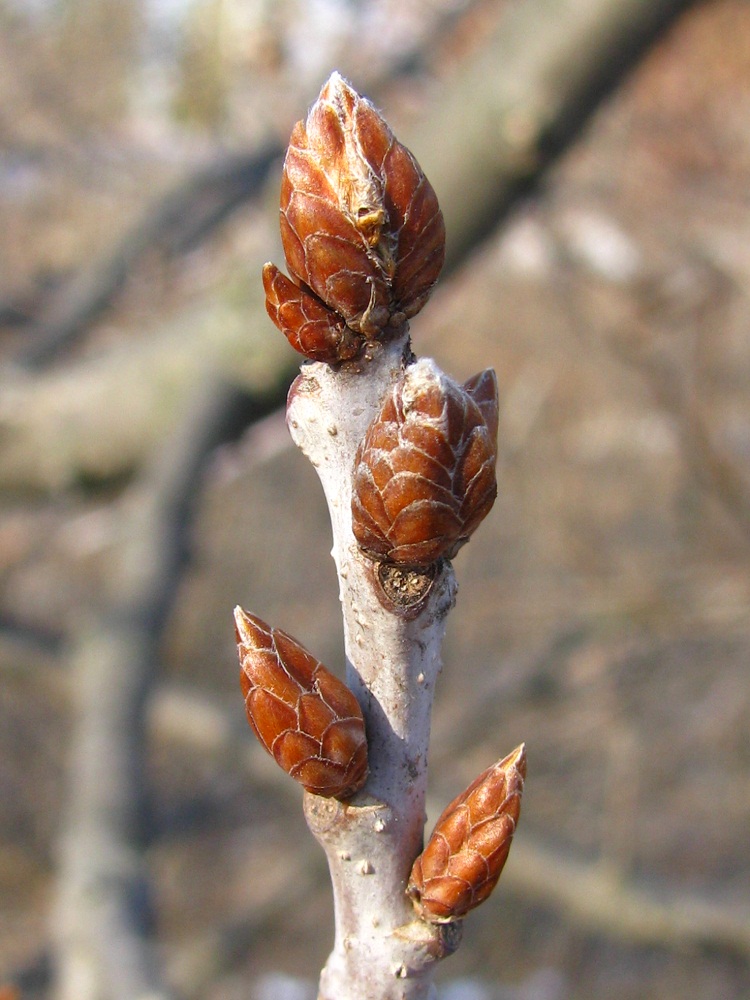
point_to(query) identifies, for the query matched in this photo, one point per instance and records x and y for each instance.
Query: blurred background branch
(103, 918)
(502, 119)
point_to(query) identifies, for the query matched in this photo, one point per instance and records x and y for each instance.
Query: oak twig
(392, 666)
(531, 87)
(406, 458)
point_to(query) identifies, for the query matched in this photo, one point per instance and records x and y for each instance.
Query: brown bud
(468, 848)
(309, 326)
(360, 223)
(308, 721)
(425, 472)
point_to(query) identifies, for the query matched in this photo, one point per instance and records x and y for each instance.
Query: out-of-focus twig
(97, 419)
(679, 382)
(174, 224)
(595, 899)
(520, 103)
(102, 919)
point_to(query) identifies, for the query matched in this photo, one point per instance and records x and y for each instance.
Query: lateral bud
(303, 715)
(424, 475)
(469, 846)
(310, 326)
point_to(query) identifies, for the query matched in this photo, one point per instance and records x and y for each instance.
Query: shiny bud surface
(469, 846)
(309, 326)
(306, 718)
(424, 476)
(361, 227)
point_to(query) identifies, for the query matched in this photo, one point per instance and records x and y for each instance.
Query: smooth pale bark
(382, 951)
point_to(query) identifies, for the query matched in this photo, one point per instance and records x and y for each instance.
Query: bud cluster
(362, 231)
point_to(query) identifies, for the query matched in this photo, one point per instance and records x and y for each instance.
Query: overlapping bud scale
(424, 475)
(360, 225)
(469, 846)
(306, 718)
(309, 326)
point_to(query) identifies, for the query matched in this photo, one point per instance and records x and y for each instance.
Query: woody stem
(382, 950)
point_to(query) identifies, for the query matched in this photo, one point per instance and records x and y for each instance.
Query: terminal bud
(360, 223)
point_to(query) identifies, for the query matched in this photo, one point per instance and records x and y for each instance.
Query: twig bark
(381, 951)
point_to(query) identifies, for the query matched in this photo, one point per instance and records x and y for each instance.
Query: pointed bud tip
(337, 90)
(339, 94)
(243, 625)
(336, 82)
(517, 758)
(446, 881)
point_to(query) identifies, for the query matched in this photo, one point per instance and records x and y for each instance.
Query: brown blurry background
(147, 485)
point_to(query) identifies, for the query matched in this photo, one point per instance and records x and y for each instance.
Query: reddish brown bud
(469, 846)
(309, 326)
(308, 721)
(360, 223)
(425, 472)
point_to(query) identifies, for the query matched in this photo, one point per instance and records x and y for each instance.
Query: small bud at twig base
(309, 326)
(465, 855)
